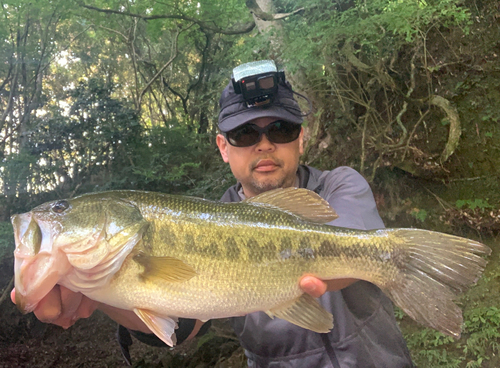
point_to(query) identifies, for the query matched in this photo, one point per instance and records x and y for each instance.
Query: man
(262, 144)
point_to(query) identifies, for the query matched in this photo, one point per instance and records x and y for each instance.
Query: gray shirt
(365, 333)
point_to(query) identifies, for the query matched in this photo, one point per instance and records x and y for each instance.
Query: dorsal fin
(300, 202)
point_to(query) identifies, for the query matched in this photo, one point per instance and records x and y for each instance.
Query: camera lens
(266, 82)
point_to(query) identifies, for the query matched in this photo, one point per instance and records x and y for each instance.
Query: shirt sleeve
(352, 198)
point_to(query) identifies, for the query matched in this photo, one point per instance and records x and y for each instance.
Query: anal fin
(163, 327)
(306, 312)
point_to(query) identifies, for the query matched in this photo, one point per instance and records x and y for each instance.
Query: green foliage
(419, 214)
(210, 335)
(98, 143)
(378, 27)
(398, 313)
(213, 182)
(17, 172)
(360, 58)
(472, 204)
(479, 343)
(168, 159)
(70, 148)
(104, 118)
(432, 349)
(482, 324)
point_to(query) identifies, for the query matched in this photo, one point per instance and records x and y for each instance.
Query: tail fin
(435, 268)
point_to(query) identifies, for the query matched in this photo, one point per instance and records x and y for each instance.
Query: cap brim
(247, 115)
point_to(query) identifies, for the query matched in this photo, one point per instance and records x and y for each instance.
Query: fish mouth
(27, 234)
(36, 272)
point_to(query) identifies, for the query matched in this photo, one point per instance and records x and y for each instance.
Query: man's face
(265, 165)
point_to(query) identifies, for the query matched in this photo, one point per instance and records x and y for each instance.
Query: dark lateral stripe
(286, 243)
(255, 252)
(284, 248)
(329, 249)
(232, 250)
(356, 250)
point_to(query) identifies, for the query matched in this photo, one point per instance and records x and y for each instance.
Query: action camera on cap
(257, 82)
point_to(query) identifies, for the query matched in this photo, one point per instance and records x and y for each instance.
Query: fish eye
(60, 206)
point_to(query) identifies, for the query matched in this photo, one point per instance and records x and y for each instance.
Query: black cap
(235, 112)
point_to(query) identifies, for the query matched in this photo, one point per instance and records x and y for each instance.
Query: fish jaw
(37, 269)
(36, 276)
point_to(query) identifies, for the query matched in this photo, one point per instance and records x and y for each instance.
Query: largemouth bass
(166, 256)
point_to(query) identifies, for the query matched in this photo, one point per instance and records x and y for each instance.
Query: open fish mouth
(27, 234)
(35, 271)
(28, 238)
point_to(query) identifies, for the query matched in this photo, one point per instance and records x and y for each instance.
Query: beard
(262, 186)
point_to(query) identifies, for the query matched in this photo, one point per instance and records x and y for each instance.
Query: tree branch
(8, 76)
(261, 14)
(114, 31)
(161, 70)
(203, 65)
(12, 92)
(348, 51)
(455, 127)
(134, 65)
(238, 29)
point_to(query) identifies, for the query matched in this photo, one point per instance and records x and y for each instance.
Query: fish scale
(251, 226)
(166, 256)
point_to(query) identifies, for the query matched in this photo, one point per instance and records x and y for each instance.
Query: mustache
(255, 162)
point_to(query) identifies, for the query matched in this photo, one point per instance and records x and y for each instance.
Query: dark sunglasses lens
(243, 136)
(283, 132)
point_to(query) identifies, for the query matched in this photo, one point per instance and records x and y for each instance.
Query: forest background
(99, 95)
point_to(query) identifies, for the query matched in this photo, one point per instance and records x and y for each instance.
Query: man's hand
(64, 307)
(317, 287)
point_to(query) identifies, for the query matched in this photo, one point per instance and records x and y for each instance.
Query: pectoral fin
(300, 202)
(305, 312)
(166, 268)
(163, 327)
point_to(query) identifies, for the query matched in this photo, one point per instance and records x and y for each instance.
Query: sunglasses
(247, 135)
